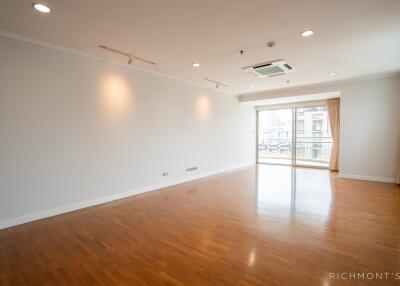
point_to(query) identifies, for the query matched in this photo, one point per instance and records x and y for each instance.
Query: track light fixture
(130, 57)
(217, 83)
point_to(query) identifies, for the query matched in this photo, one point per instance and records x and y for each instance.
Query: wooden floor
(264, 225)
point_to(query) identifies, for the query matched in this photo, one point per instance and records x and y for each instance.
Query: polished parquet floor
(262, 225)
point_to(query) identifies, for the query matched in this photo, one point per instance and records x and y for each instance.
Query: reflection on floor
(288, 161)
(263, 225)
(294, 193)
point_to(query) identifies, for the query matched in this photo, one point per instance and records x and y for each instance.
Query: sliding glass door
(294, 136)
(313, 136)
(275, 129)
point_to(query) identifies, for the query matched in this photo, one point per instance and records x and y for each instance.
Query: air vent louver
(269, 69)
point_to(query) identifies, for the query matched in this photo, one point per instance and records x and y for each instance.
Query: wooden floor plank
(263, 225)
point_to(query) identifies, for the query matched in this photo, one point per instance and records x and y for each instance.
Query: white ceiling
(353, 37)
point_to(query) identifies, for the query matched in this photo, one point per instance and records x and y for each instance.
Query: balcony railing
(312, 149)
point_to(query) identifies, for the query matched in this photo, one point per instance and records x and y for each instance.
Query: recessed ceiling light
(41, 8)
(308, 33)
(332, 73)
(253, 86)
(195, 65)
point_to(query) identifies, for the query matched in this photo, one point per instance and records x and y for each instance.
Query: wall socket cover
(191, 169)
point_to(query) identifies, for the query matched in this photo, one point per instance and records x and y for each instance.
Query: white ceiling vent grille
(269, 69)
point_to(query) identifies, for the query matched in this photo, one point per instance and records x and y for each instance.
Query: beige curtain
(334, 121)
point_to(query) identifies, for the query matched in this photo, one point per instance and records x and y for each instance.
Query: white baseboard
(96, 201)
(367, 178)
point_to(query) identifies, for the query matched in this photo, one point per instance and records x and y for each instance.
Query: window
(317, 125)
(300, 126)
(275, 136)
(309, 145)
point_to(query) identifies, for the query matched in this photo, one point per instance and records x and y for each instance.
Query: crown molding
(100, 59)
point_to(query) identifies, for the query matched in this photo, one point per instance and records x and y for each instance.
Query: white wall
(370, 124)
(370, 129)
(75, 129)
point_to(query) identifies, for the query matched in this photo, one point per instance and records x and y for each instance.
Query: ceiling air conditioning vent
(269, 69)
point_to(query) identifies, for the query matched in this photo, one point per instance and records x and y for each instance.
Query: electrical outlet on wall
(191, 169)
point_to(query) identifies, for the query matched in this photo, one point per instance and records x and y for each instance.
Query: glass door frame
(294, 108)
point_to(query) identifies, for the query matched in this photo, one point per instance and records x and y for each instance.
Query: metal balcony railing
(313, 149)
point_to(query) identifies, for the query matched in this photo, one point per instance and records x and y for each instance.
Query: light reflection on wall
(116, 96)
(203, 109)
